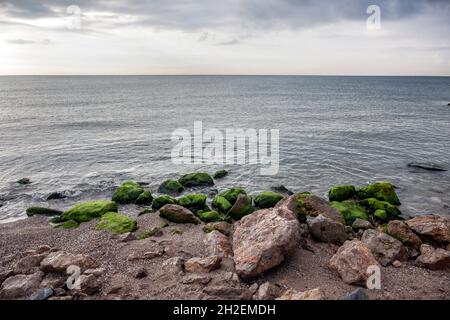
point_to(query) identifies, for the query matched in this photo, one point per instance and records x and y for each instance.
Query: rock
(43, 249)
(20, 285)
(350, 211)
(24, 181)
(153, 232)
(53, 280)
(126, 237)
(383, 191)
(352, 261)
(87, 211)
(209, 216)
(96, 272)
(69, 224)
(220, 174)
(218, 244)
(197, 179)
(385, 248)
(41, 294)
(267, 291)
(232, 194)
(145, 198)
(341, 193)
(358, 294)
(5, 274)
(59, 262)
(222, 227)
(431, 227)
(373, 205)
(242, 207)
(193, 202)
(173, 265)
(203, 264)
(282, 189)
(139, 273)
(171, 187)
(178, 214)
(161, 201)
(196, 279)
(42, 211)
(401, 231)
(267, 199)
(360, 224)
(116, 223)
(145, 211)
(263, 240)
(433, 258)
(228, 293)
(309, 205)
(427, 166)
(146, 255)
(89, 284)
(56, 196)
(221, 204)
(314, 294)
(326, 230)
(29, 263)
(397, 264)
(128, 192)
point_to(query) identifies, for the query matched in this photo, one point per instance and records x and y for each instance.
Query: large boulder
(267, 199)
(178, 214)
(128, 192)
(312, 206)
(433, 258)
(87, 211)
(116, 223)
(431, 227)
(401, 231)
(350, 211)
(193, 202)
(326, 230)
(385, 248)
(171, 187)
(59, 262)
(341, 193)
(352, 261)
(383, 191)
(160, 201)
(242, 207)
(20, 285)
(263, 239)
(197, 179)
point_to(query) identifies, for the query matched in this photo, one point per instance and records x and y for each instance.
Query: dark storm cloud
(198, 14)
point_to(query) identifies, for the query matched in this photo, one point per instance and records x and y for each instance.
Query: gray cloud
(19, 41)
(228, 43)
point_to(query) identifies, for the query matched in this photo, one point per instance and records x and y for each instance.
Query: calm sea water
(84, 135)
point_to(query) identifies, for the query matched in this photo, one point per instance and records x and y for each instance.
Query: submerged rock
(350, 211)
(160, 201)
(385, 248)
(24, 181)
(178, 214)
(128, 192)
(433, 258)
(56, 196)
(383, 191)
(427, 166)
(171, 187)
(42, 211)
(282, 189)
(326, 230)
(220, 174)
(341, 193)
(116, 223)
(267, 199)
(197, 179)
(87, 211)
(401, 231)
(431, 227)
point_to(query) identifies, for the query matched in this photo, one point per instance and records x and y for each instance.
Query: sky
(286, 37)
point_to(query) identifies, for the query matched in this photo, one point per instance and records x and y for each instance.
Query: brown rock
(89, 284)
(146, 255)
(43, 249)
(263, 239)
(314, 294)
(196, 279)
(326, 230)
(127, 237)
(173, 265)
(433, 258)
(177, 214)
(29, 263)
(401, 231)
(314, 206)
(96, 272)
(139, 272)
(397, 264)
(385, 248)
(267, 291)
(218, 244)
(361, 224)
(60, 260)
(436, 228)
(202, 264)
(352, 261)
(53, 280)
(20, 285)
(221, 226)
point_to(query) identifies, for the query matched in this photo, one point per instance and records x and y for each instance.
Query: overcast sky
(224, 37)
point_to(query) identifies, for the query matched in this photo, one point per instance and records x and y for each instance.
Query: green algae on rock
(373, 205)
(128, 192)
(220, 174)
(145, 198)
(341, 193)
(172, 187)
(350, 210)
(383, 191)
(116, 223)
(221, 204)
(178, 214)
(69, 224)
(42, 211)
(147, 233)
(267, 199)
(242, 207)
(87, 211)
(209, 216)
(160, 201)
(232, 194)
(196, 179)
(193, 202)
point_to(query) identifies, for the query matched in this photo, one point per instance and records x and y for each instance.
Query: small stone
(221, 226)
(140, 273)
(196, 279)
(202, 264)
(42, 294)
(96, 272)
(146, 255)
(173, 265)
(397, 264)
(314, 294)
(126, 237)
(43, 249)
(359, 224)
(267, 291)
(358, 294)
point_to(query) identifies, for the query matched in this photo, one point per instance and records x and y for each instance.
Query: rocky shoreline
(194, 242)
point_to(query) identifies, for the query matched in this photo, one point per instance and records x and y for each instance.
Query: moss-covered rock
(373, 205)
(178, 214)
(196, 179)
(381, 215)
(193, 202)
(232, 194)
(242, 207)
(313, 206)
(87, 211)
(24, 181)
(221, 204)
(220, 174)
(69, 224)
(145, 198)
(383, 191)
(42, 211)
(350, 210)
(341, 193)
(172, 187)
(160, 201)
(147, 233)
(267, 199)
(116, 223)
(128, 192)
(209, 216)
